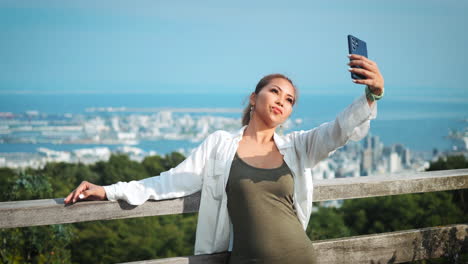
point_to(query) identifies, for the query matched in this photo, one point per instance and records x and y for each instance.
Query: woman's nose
(279, 102)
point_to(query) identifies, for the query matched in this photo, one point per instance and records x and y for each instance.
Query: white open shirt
(207, 169)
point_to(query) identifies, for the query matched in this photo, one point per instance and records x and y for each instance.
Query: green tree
(64, 177)
(118, 168)
(8, 177)
(449, 163)
(44, 244)
(460, 197)
(134, 239)
(174, 235)
(154, 165)
(400, 212)
(98, 241)
(173, 159)
(327, 223)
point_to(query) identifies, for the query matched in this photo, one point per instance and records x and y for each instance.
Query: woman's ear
(253, 96)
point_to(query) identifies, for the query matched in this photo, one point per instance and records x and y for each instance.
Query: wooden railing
(392, 247)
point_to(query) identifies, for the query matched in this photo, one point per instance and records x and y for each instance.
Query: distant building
(394, 162)
(371, 154)
(323, 170)
(377, 151)
(366, 162)
(404, 154)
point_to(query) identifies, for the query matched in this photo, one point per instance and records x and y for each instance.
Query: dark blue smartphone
(357, 46)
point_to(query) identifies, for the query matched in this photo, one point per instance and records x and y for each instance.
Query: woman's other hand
(86, 191)
(370, 70)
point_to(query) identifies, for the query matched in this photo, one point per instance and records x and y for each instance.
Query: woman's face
(273, 104)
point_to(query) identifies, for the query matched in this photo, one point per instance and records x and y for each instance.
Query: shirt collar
(280, 142)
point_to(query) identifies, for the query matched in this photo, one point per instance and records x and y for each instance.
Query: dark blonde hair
(261, 84)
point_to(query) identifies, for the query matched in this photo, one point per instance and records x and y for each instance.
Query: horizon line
(453, 98)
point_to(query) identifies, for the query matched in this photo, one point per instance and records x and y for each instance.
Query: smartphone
(357, 46)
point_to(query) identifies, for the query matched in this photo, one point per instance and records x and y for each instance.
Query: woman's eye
(274, 90)
(290, 100)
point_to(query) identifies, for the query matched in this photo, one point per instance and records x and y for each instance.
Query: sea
(421, 124)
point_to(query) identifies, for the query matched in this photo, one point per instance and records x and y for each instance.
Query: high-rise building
(394, 162)
(404, 154)
(377, 151)
(366, 162)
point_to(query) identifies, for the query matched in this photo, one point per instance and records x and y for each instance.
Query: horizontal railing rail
(54, 211)
(393, 247)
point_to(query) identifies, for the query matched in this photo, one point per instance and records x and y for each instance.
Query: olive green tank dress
(261, 208)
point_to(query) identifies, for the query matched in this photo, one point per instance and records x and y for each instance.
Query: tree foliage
(393, 213)
(43, 244)
(174, 235)
(460, 197)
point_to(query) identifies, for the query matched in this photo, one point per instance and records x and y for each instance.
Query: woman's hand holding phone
(370, 70)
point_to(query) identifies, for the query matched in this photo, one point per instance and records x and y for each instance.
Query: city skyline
(134, 135)
(93, 137)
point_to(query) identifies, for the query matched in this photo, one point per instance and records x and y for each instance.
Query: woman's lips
(276, 110)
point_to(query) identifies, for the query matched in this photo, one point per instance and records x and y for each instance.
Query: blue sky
(227, 46)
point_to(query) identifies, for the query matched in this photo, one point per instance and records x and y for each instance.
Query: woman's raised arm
(352, 123)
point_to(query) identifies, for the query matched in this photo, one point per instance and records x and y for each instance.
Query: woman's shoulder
(296, 137)
(220, 134)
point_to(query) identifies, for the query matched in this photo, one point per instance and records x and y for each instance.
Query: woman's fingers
(95, 193)
(365, 81)
(364, 64)
(86, 191)
(366, 73)
(83, 186)
(361, 58)
(86, 194)
(358, 60)
(74, 196)
(370, 70)
(67, 199)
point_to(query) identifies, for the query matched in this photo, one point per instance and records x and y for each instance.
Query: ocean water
(421, 125)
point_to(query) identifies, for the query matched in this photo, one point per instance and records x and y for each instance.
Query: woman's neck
(260, 135)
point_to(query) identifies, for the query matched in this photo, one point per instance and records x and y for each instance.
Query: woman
(256, 186)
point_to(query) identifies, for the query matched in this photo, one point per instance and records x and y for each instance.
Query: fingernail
(349, 55)
(81, 196)
(354, 80)
(349, 69)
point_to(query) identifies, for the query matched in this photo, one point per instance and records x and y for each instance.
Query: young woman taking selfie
(256, 186)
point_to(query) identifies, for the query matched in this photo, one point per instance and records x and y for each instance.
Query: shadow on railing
(392, 247)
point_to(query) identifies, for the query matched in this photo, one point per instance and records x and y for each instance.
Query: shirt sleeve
(352, 123)
(185, 179)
